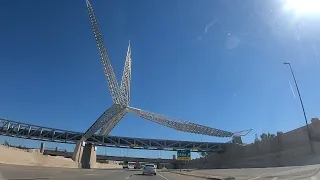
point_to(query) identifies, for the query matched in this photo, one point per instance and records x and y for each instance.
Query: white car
(149, 169)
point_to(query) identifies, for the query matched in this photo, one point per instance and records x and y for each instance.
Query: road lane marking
(163, 177)
(275, 178)
(1, 177)
(91, 174)
(255, 178)
(129, 177)
(313, 178)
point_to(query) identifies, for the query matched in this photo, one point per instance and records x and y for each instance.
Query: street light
(304, 113)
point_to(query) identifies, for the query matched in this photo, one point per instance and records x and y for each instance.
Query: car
(149, 169)
(131, 165)
(125, 166)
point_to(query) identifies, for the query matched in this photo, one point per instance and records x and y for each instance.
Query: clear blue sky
(217, 63)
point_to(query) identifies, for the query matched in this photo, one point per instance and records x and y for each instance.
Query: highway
(14, 172)
(10, 172)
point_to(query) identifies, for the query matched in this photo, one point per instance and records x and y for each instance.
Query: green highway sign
(184, 155)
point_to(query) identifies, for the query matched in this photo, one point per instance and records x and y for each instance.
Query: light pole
(304, 113)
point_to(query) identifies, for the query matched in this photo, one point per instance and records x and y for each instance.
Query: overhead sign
(184, 155)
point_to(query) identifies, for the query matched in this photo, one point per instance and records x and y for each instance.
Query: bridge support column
(77, 153)
(85, 155)
(42, 147)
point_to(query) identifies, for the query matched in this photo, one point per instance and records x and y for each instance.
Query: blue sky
(217, 63)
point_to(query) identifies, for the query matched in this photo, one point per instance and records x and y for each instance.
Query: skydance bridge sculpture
(97, 134)
(121, 98)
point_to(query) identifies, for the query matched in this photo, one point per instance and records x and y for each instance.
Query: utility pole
(304, 113)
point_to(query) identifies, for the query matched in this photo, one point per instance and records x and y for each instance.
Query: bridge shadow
(140, 174)
(106, 169)
(118, 169)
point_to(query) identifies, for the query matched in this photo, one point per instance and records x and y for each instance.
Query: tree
(265, 136)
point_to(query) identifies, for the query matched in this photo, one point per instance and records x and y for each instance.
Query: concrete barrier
(286, 149)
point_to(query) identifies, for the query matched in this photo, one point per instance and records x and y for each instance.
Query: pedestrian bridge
(28, 131)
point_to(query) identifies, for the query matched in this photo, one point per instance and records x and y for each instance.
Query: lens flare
(303, 6)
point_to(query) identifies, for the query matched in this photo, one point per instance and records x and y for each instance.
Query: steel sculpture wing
(179, 125)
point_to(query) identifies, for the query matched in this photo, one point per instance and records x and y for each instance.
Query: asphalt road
(13, 172)
(309, 172)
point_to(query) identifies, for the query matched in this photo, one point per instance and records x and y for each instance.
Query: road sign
(184, 155)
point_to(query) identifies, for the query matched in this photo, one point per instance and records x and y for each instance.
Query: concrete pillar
(85, 155)
(89, 156)
(42, 148)
(76, 156)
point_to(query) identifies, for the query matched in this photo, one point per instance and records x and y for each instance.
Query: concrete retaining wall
(32, 157)
(286, 149)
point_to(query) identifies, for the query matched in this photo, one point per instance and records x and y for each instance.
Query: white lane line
(1, 177)
(255, 178)
(91, 174)
(163, 177)
(313, 178)
(127, 177)
(275, 178)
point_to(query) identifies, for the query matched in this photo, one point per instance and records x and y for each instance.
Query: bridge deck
(28, 131)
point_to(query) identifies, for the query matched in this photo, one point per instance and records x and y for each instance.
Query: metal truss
(106, 64)
(126, 78)
(125, 91)
(119, 95)
(110, 118)
(27, 131)
(179, 125)
(106, 129)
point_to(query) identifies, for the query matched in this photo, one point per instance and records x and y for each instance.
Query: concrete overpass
(113, 158)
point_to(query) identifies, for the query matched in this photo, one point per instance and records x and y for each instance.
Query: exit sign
(184, 155)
